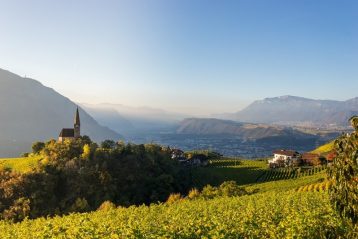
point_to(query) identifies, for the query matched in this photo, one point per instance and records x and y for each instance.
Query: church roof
(67, 133)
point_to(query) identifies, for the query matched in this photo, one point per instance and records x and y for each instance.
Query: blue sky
(190, 56)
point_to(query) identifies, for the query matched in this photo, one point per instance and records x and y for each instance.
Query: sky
(189, 56)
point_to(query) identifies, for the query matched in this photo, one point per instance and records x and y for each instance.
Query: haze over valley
(280, 122)
(179, 119)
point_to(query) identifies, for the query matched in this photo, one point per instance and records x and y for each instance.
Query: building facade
(71, 133)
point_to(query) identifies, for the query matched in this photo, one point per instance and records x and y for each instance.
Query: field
(291, 207)
(19, 164)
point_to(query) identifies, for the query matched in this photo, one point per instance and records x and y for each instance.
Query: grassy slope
(19, 164)
(324, 149)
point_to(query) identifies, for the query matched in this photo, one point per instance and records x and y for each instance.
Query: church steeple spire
(77, 125)
(77, 118)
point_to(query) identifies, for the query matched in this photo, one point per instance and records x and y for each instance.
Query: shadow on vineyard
(289, 173)
(218, 171)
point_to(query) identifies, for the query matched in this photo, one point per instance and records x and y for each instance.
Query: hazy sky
(191, 56)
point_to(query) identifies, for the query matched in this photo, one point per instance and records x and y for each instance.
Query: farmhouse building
(312, 159)
(284, 158)
(71, 133)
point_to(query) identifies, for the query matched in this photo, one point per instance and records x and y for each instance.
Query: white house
(284, 157)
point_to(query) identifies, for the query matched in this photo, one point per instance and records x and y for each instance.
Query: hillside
(267, 215)
(276, 210)
(324, 149)
(292, 110)
(201, 126)
(21, 165)
(30, 111)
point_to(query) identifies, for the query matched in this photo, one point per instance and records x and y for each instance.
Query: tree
(37, 147)
(86, 152)
(108, 144)
(344, 174)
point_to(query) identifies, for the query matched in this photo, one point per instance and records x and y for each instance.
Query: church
(71, 133)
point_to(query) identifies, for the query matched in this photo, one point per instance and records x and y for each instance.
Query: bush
(193, 193)
(173, 198)
(344, 174)
(24, 155)
(37, 147)
(230, 189)
(106, 206)
(18, 211)
(80, 205)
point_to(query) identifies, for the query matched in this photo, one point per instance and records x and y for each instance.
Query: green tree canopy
(344, 173)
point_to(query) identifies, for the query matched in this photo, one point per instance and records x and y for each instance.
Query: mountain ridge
(246, 131)
(294, 110)
(30, 111)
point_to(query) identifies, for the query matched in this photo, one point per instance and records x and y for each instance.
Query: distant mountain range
(133, 120)
(245, 131)
(298, 111)
(31, 112)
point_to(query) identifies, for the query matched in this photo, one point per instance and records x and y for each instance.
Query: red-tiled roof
(310, 156)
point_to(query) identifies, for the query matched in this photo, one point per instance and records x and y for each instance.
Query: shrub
(230, 189)
(25, 155)
(209, 192)
(80, 205)
(173, 198)
(18, 211)
(106, 206)
(193, 193)
(344, 173)
(37, 147)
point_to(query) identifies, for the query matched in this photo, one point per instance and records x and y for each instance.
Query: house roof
(310, 156)
(67, 133)
(286, 152)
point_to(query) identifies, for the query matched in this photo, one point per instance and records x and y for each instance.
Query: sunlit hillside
(326, 148)
(276, 210)
(19, 164)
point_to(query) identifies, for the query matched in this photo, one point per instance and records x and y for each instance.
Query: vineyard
(289, 173)
(317, 187)
(218, 171)
(282, 203)
(265, 215)
(248, 172)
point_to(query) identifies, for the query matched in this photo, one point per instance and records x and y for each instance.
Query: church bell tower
(77, 125)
